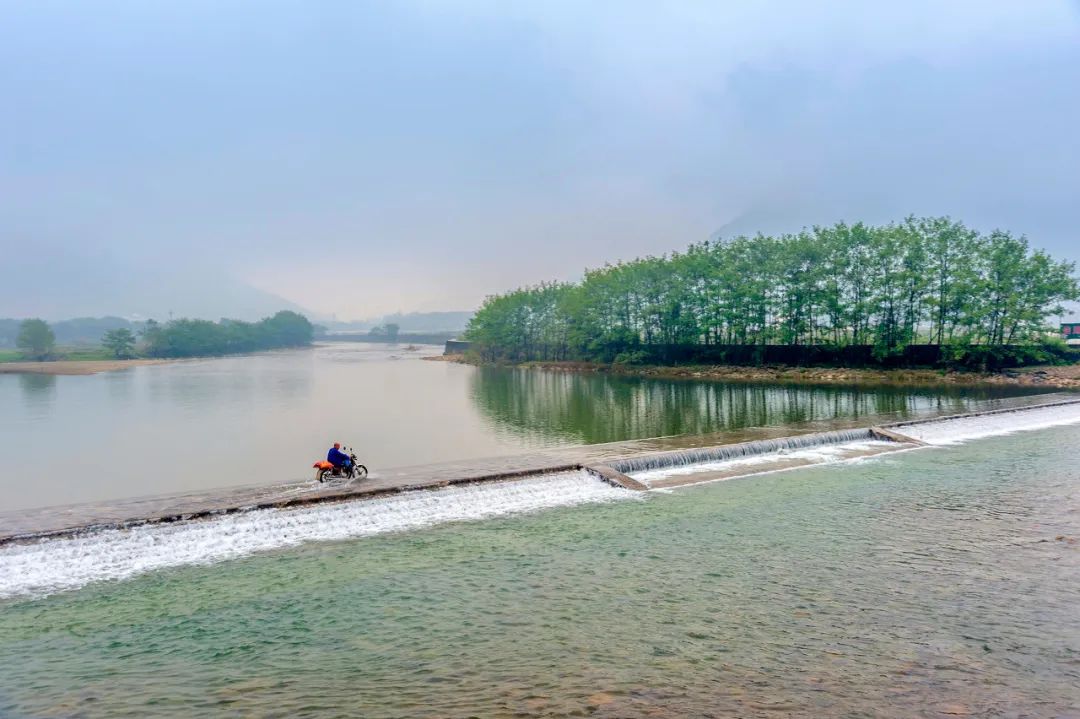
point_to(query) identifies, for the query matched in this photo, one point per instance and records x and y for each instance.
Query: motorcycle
(325, 471)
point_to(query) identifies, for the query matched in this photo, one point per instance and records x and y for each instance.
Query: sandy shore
(74, 366)
(459, 359)
(1065, 377)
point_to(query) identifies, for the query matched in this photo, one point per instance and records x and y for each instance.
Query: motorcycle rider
(336, 457)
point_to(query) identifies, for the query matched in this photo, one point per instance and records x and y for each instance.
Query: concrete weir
(889, 436)
(635, 472)
(193, 507)
(615, 477)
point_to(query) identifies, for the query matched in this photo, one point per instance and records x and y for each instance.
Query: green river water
(937, 582)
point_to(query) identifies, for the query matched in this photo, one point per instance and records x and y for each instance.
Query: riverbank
(75, 367)
(1058, 377)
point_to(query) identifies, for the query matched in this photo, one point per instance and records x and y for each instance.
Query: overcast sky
(426, 154)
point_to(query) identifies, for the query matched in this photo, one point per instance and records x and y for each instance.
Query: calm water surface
(939, 582)
(265, 418)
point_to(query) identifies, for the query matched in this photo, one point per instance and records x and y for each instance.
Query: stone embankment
(1058, 377)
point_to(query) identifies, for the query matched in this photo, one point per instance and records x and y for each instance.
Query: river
(938, 582)
(263, 419)
(935, 581)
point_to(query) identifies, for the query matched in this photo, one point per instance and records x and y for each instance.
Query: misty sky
(429, 153)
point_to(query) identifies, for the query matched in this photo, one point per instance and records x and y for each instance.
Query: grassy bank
(60, 354)
(70, 361)
(74, 367)
(1061, 377)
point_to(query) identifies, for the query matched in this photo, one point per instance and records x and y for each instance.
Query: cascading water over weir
(741, 450)
(71, 561)
(65, 556)
(705, 464)
(692, 466)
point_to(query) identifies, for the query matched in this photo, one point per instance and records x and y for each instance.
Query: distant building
(1070, 332)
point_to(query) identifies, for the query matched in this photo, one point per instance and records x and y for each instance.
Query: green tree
(120, 342)
(202, 338)
(284, 329)
(151, 334)
(886, 287)
(36, 339)
(392, 330)
(951, 251)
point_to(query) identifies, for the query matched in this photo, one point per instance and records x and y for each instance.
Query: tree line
(180, 338)
(75, 331)
(920, 281)
(202, 338)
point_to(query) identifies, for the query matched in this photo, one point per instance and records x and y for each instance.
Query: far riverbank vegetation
(174, 339)
(924, 291)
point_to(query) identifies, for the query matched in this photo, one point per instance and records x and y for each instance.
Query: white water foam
(742, 450)
(51, 565)
(936, 432)
(818, 454)
(963, 429)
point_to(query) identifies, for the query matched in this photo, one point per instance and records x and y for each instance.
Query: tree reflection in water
(594, 408)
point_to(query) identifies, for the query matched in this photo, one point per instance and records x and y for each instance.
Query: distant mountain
(429, 321)
(9, 330)
(89, 330)
(408, 322)
(67, 287)
(78, 331)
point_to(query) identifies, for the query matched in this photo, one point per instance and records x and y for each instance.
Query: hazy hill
(429, 321)
(65, 287)
(408, 322)
(77, 331)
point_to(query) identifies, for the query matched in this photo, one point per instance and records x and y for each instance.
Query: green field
(73, 354)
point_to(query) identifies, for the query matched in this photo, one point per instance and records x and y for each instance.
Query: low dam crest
(66, 557)
(638, 472)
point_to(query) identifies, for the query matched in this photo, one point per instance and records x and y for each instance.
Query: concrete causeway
(597, 459)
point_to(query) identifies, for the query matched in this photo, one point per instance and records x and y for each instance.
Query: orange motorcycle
(324, 471)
